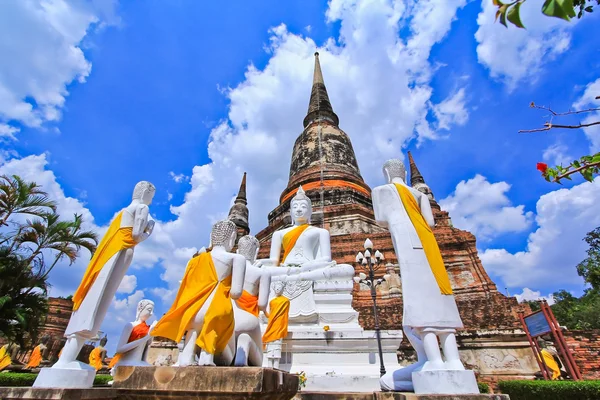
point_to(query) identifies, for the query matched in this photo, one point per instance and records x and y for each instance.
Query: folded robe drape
(430, 246)
(96, 358)
(5, 360)
(35, 358)
(115, 240)
(249, 303)
(199, 281)
(290, 238)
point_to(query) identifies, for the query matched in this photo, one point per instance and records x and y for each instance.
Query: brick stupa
(324, 163)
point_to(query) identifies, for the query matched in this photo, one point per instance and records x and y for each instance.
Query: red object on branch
(542, 167)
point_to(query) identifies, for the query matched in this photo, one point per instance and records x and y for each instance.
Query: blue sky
(95, 96)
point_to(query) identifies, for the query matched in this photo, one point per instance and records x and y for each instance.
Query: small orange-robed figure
(277, 328)
(98, 354)
(139, 331)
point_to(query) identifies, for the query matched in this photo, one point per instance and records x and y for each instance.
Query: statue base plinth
(343, 359)
(395, 396)
(194, 382)
(27, 393)
(65, 378)
(445, 382)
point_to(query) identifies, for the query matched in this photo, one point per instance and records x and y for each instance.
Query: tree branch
(567, 112)
(573, 171)
(549, 125)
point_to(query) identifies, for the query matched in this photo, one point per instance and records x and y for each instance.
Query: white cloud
(557, 154)
(7, 132)
(128, 284)
(554, 249)
(588, 100)
(528, 295)
(43, 55)
(484, 209)
(178, 178)
(514, 55)
(452, 111)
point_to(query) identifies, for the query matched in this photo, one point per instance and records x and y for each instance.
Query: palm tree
(66, 238)
(20, 197)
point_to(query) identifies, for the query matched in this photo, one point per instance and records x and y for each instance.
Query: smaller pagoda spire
(239, 213)
(415, 175)
(319, 106)
(241, 197)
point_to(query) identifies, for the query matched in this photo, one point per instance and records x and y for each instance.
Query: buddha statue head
(103, 341)
(278, 288)
(248, 246)
(301, 207)
(423, 188)
(394, 168)
(223, 234)
(144, 192)
(145, 309)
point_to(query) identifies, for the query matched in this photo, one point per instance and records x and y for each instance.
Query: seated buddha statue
(306, 258)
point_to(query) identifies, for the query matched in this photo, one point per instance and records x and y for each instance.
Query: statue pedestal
(445, 382)
(338, 360)
(66, 378)
(141, 383)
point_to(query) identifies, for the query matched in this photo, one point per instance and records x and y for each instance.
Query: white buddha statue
(429, 308)
(135, 339)
(103, 276)
(203, 304)
(254, 299)
(306, 258)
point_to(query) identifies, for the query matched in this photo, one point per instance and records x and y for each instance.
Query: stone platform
(28, 393)
(138, 383)
(394, 396)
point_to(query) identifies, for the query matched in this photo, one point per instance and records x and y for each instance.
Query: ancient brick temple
(324, 163)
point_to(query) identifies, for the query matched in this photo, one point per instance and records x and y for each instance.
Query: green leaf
(562, 9)
(502, 10)
(514, 17)
(576, 164)
(498, 3)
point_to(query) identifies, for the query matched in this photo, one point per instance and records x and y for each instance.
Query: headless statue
(246, 309)
(203, 304)
(103, 276)
(135, 340)
(277, 328)
(430, 310)
(307, 254)
(98, 355)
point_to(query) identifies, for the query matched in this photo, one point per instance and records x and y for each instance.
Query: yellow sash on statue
(199, 281)
(249, 303)
(96, 358)
(551, 364)
(290, 238)
(35, 358)
(5, 360)
(278, 319)
(115, 240)
(430, 246)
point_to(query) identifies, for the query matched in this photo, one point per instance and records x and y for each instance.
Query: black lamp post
(371, 264)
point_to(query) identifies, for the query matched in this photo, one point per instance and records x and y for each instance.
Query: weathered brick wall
(585, 347)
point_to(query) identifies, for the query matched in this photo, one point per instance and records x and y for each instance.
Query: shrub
(551, 390)
(483, 387)
(27, 379)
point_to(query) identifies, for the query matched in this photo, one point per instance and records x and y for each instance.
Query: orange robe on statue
(95, 359)
(199, 281)
(249, 303)
(430, 246)
(138, 332)
(277, 328)
(551, 364)
(35, 358)
(114, 240)
(5, 360)
(290, 238)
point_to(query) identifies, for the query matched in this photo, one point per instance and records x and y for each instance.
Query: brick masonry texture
(585, 347)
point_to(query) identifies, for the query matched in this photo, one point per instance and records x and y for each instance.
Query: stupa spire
(319, 106)
(241, 197)
(415, 175)
(239, 211)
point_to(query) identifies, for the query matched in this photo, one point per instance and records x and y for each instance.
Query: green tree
(24, 245)
(20, 197)
(563, 9)
(589, 268)
(577, 313)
